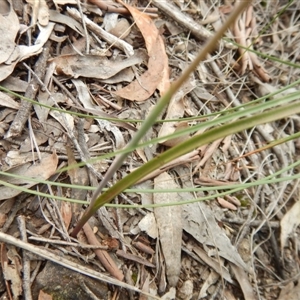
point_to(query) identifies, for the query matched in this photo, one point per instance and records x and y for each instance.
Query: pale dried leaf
(289, 223)
(14, 84)
(7, 101)
(94, 66)
(43, 13)
(55, 16)
(42, 170)
(9, 27)
(22, 52)
(16, 158)
(290, 292)
(169, 221)
(62, 118)
(11, 274)
(209, 232)
(148, 224)
(85, 99)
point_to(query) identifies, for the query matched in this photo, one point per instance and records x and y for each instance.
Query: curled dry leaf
(226, 204)
(157, 74)
(22, 52)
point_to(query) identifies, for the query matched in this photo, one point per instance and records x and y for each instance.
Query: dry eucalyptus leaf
(42, 170)
(86, 100)
(169, 222)
(290, 292)
(148, 224)
(22, 52)
(40, 12)
(55, 16)
(7, 101)
(9, 27)
(43, 13)
(10, 273)
(207, 231)
(66, 213)
(289, 222)
(157, 75)
(94, 66)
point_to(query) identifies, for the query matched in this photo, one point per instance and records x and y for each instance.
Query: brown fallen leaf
(44, 296)
(94, 66)
(226, 204)
(157, 75)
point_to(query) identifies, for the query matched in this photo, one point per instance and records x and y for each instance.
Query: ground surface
(243, 245)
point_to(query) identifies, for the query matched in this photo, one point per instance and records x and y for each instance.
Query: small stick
(48, 255)
(121, 10)
(26, 261)
(24, 111)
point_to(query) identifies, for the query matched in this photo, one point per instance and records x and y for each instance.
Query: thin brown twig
(26, 261)
(31, 91)
(122, 10)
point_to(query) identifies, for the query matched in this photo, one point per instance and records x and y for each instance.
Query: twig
(59, 242)
(20, 203)
(121, 10)
(111, 39)
(68, 263)
(87, 37)
(31, 91)
(187, 22)
(253, 223)
(26, 261)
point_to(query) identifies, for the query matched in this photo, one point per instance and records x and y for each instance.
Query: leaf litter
(227, 247)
